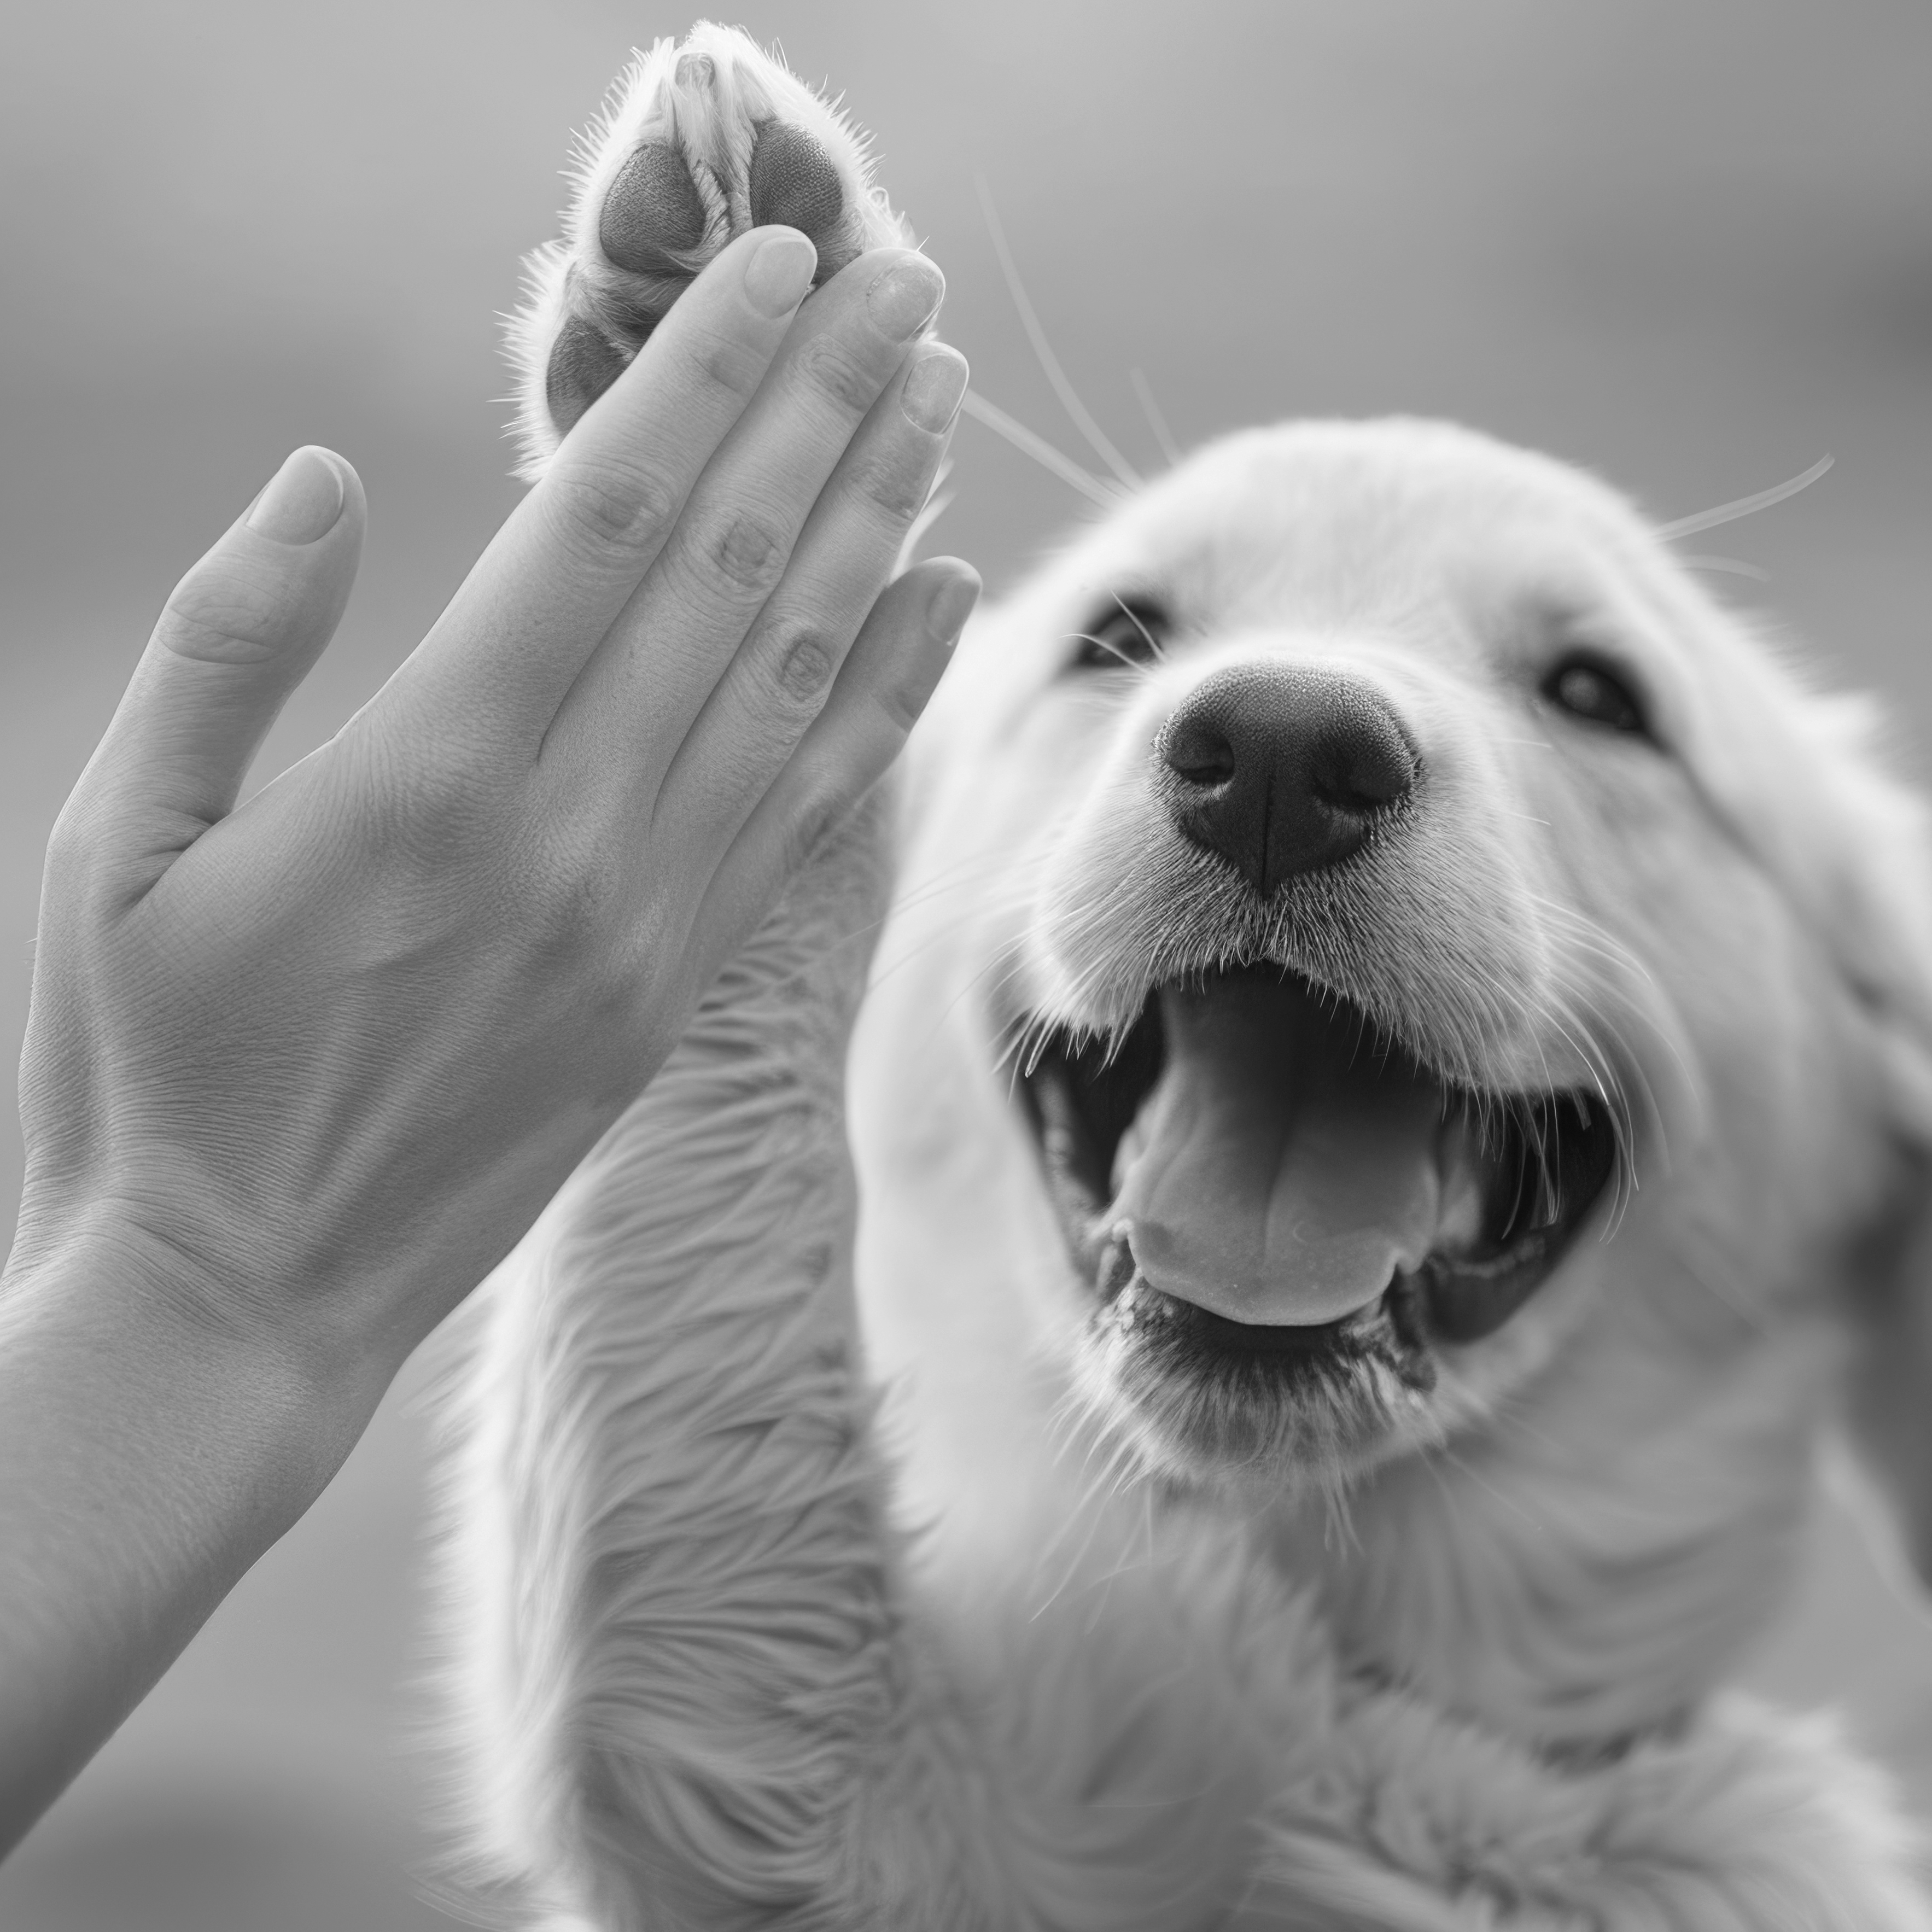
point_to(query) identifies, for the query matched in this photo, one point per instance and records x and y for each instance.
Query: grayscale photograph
(973, 967)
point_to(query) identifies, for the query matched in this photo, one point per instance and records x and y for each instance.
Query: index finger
(541, 598)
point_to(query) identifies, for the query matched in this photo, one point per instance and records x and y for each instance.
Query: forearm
(147, 1458)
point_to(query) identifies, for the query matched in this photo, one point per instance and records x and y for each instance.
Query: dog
(1391, 1113)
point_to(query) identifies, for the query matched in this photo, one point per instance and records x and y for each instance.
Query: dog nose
(1282, 769)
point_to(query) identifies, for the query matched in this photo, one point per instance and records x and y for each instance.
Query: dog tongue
(1285, 1166)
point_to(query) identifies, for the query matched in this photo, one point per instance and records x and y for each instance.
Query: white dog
(1392, 1107)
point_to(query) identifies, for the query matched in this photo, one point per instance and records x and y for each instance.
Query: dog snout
(1283, 769)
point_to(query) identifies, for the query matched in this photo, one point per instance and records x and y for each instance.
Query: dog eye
(1587, 688)
(1129, 632)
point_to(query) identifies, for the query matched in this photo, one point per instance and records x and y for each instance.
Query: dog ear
(1876, 924)
(1883, 942)
(1888, 1392)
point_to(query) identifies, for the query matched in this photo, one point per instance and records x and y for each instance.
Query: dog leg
(695, 1687)
(687, 1692)
(695, 1699)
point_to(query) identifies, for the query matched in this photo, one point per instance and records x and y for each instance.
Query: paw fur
(701, 140)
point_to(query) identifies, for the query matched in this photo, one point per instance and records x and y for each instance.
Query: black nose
(1283, 768)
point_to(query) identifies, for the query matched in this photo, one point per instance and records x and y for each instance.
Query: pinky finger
(894, 666)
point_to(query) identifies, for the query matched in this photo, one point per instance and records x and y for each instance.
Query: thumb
(237, 635)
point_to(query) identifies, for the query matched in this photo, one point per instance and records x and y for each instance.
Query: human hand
(296, 1076)
(308, 1069)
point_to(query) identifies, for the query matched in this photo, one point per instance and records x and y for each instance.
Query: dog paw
(703, 139)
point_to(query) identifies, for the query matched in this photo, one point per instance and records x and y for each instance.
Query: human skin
(297, 1075)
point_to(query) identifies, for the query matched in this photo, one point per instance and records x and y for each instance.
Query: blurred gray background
(1686, 242)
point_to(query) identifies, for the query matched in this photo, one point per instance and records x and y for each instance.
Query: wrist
(148, 1456)
(101, 1286)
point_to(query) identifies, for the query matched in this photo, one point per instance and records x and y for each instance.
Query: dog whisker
(1134, 617)
(1010, 429)
(1730, 566)
(1744, 506)
(1082, 418)
(1157, 422)
(1112, 649)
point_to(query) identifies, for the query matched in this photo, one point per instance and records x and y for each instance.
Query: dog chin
(1205, 1403)
(1281, 1223)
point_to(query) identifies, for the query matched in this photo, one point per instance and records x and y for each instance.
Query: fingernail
(303, 499)
(951, 605)
(933, 387)
(905, 298)
(777, 277)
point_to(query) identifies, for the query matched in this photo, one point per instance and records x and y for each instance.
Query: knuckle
(576, 910)
(900, 709)
(235, 617)
(893, 481)
(75, 839)
(424, 806)
(748, 552)
(809, 827)
(828, 365)
(440, 789)
(724, 363)
(609, 508)
(802, 664)
(583, 911)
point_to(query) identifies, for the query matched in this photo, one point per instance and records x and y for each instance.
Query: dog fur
(816, 1568)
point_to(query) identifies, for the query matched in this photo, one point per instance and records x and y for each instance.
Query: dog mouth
(1255, 1168)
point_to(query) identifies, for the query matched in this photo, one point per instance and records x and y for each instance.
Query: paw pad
(793, 181)
(583, 364)
(702, 140)
(651, 215)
